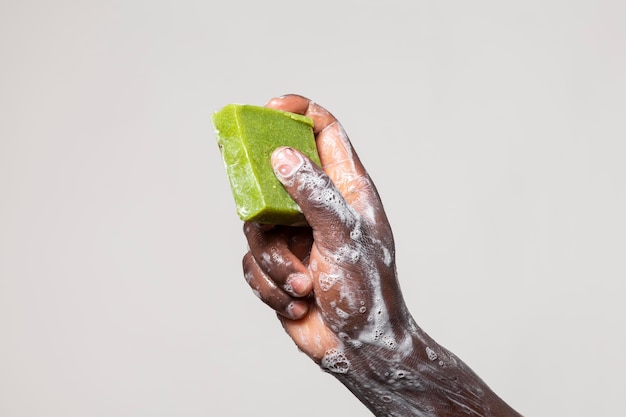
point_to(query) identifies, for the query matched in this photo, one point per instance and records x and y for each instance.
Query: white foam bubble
(389, 341)
(327, 280)
(290, 308)
(341, 313)
(335, 361)
(348, 253)
(387, 258)
(399, 374)
(266, 257)
(248, 277)
(355, 233)
(276, 257)
(356, 343)
(431, 354)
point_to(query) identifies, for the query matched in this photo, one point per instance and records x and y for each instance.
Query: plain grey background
(494, 131)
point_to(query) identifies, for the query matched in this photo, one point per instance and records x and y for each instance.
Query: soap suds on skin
(431, 354)
(335, 361)
(278, 259)
(292, 277)
(387, 258)
(362, 318)
(341, 313)
(326, 281)
(320, 189)
(348, 254)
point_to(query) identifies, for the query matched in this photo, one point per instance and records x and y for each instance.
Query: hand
(335, 288)
(333, 283)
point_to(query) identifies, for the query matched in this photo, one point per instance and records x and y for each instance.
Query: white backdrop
(495, 133)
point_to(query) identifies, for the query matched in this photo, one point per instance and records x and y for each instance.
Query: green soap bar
(247, 135)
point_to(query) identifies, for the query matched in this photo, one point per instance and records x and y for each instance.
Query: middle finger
(271, 250)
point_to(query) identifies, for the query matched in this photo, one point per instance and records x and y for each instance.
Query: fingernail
(297, 309)
(299, 283)
(286, 162)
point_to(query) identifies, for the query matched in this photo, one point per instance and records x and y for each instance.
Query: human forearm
(416, 377)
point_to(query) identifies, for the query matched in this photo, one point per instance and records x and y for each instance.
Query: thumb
(323, 206)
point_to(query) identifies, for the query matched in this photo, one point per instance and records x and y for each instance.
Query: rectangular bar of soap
(247, 135)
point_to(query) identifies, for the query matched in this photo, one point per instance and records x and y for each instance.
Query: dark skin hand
(334, 286)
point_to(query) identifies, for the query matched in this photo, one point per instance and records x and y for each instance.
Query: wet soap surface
(247, 135)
